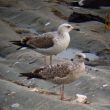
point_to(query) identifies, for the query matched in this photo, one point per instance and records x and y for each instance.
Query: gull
(62, 73)
(50, 43)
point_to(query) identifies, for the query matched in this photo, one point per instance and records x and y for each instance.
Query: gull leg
(45, 61)
(62, 92)
(50, 59)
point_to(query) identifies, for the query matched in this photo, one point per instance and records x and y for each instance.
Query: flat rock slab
(14, 97)
(15, 93)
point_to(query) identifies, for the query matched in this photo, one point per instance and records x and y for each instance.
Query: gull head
(81, 57)
(67, 28)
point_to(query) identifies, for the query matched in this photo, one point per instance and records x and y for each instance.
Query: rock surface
(38, 16)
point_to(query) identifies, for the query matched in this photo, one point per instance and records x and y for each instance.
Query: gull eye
(79, 56)
(68, 26)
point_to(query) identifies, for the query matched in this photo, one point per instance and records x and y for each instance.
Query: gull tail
(34, 74)
(22, 43)
(19, 43)
(28, 75)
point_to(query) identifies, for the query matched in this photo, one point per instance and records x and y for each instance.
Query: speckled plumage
(62, 73)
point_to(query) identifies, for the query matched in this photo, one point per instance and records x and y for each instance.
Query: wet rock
(103, 52)
(81, 17)
(7, 3)
(32, 14)
(91, 3)
(59, 14)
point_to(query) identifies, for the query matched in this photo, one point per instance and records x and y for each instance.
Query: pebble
(47, 23)
(15, 105)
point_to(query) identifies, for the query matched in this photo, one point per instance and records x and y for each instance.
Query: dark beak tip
(86, 59)
(71, 59)
(76, 29)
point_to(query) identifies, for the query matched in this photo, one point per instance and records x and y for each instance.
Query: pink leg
(50, 59)
(45, 61)
(62, 92)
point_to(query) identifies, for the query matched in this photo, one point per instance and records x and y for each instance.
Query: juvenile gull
(61, 73)
(50, 43)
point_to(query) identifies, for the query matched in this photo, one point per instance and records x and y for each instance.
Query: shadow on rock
(94, 4)
(80, 17)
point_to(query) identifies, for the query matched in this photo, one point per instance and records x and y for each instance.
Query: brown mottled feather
(61, 73)
(59, 70)
(50, 71)
(41, 41)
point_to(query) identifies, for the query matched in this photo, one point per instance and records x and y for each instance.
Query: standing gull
(61, 73)
(50, 43)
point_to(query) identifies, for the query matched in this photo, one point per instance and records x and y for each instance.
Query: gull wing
(51, 71)
(41, 41)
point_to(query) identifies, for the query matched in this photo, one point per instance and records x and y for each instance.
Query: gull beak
(71, 59)
(76, 28)
(86, 59)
